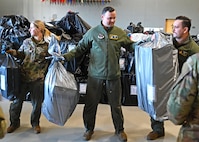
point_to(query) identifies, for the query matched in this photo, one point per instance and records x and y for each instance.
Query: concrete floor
(136, 123)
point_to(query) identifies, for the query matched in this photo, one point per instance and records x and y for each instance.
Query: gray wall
(152, 13)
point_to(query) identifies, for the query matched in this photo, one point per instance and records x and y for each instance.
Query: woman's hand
(12, 52)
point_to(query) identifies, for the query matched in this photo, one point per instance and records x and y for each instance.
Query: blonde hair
(40, 25)
(46, 33)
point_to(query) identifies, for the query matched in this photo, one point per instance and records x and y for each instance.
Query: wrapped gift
(156, 71)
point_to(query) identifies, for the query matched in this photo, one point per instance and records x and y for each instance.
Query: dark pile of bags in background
(196, 38)
(73, 28)
(13, 30)
(128, 78)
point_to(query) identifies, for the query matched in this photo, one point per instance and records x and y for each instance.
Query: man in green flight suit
(104, 43)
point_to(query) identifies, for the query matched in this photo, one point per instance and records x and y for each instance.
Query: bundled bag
(10, 77)
(60, 94)
(156, 70)
(2, 124)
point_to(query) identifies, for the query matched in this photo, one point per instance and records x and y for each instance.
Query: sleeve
(1, 114)
(142, 40)
(183, 94)
(128, 44)
(20, 51)
(83, 45)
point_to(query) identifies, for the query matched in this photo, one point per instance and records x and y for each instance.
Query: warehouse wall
(152, 13)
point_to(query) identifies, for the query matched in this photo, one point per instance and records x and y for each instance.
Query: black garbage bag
(4, 45)
(54, 29)
(72, 23)
(14, 29)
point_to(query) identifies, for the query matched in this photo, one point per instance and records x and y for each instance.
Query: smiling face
(108, 19)
(33, 30)
(36, 28)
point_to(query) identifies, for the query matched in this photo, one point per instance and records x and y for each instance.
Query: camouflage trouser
(189, 134)
(36, 90)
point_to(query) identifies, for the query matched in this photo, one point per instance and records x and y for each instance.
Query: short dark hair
(108, 8)
(186, 22)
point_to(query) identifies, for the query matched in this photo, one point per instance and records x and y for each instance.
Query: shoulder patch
(113, 37)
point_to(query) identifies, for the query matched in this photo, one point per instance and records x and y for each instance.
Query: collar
(177, 45)
(37, 42)
(106, 28)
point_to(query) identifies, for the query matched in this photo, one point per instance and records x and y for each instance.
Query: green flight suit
(103, 71)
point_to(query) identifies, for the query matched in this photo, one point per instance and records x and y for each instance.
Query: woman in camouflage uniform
(32, 53)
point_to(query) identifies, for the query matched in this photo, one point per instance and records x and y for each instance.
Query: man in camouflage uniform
(183, 104)
(33, 68)
(186, 47)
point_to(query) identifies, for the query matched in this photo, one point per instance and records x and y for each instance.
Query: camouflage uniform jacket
(34, 65)
(183, 104)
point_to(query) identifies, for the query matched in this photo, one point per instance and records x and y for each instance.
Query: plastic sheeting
(72, 23)
(61, 96)
(156, 70)
(60, 89)
(74, 27)
(13, 29)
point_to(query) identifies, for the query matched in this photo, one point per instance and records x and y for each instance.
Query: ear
(186, 29)
(102, 16)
